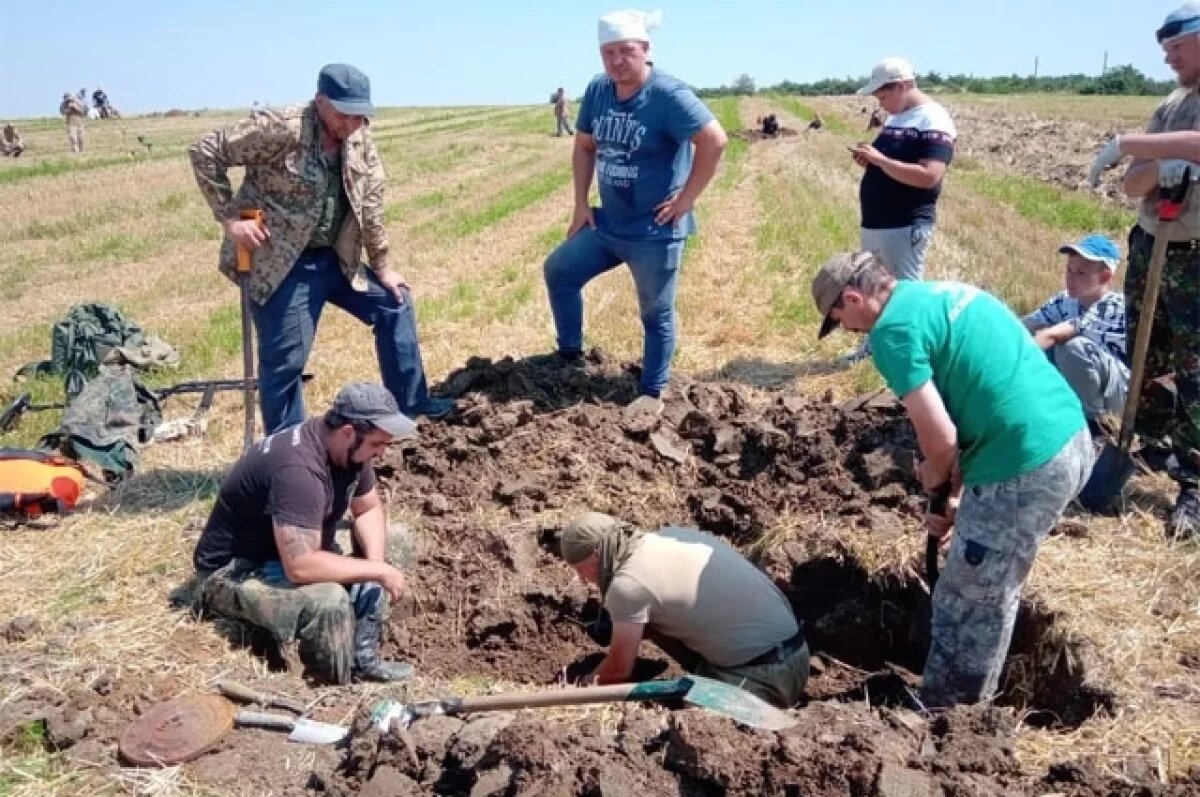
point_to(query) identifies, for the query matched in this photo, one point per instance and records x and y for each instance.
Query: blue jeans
(655, 268)
(287, 323)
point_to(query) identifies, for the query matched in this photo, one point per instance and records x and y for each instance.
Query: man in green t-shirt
(993, 416)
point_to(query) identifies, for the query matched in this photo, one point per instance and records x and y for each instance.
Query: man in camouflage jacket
(314, 172)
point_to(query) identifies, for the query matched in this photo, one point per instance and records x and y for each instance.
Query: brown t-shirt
(287, 477)
(1180, 111)
(695, 588)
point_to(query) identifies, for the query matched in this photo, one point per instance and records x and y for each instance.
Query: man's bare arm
(305, 562)
(617, 666)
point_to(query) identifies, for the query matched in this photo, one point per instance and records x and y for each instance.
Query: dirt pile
(836, 749)
(532, 438)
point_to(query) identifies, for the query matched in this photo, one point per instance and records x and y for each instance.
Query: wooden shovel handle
(259, 719)
(245, 257)
(613, 693)
(1141, 343)
(244, 694)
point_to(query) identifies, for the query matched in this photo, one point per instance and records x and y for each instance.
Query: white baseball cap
(889, 70)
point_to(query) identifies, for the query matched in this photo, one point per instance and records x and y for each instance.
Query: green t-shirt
(1013, 409)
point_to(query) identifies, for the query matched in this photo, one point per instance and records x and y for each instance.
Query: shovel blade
(312, 732)
(736, 703)
(1112, 470)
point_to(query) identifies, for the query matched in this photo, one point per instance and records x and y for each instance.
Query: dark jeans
(287, 324)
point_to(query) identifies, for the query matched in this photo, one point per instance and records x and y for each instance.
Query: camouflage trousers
(319, 619)
(1174, 347)
(996, 537)
(75, 133)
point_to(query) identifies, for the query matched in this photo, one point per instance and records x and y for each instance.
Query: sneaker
(856, 355)
(434, 408)
(1184, 523)
(645, 405)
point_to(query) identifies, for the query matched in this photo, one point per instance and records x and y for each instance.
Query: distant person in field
(1082, 328)
(1002, 437)
(562, 112)
(11, 144)
(695, 597)
(1162, 156)
(653, 146)
(314, 171)
(903, 173)
(71, 108)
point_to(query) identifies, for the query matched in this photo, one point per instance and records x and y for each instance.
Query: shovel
(716, 696)
(1115, 465)
(300, 729)
(245, 261)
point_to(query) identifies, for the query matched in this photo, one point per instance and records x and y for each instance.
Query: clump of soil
(754, 135)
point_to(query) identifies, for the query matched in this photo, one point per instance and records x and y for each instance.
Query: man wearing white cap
(1168, 150)
(904, 169)
(636, 131)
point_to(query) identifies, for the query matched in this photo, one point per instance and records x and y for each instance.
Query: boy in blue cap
(1082, 328)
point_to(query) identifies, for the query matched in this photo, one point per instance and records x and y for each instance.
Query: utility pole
(1104, 69)
(1035, 67)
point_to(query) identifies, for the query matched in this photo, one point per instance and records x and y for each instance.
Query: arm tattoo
(294, 541)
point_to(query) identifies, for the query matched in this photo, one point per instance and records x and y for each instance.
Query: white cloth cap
(889, 70)
(619, 26)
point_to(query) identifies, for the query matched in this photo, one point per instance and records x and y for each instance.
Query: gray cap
(834, 276)
(347, 89)
(366, 401)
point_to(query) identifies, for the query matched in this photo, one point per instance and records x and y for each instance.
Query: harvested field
(761, 443)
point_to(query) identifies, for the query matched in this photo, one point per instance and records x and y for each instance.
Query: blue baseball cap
(347, 89)
(1099, 248)
(1183, 21)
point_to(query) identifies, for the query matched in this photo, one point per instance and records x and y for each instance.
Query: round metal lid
(176, 731)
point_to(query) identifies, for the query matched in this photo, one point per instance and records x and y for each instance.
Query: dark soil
(534, 442)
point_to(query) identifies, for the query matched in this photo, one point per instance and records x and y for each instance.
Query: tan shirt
(697, 589)
(1180, 111)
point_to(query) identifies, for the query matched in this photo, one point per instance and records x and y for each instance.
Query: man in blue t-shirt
(635, 133)
(903, 173)
(1004, 443)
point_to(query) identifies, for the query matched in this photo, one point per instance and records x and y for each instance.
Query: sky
(221, 54)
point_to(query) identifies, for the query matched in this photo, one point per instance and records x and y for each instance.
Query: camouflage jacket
(1179, 111)
(285, 177)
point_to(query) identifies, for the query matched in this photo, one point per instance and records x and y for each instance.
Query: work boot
(434, 408)
(368, 666)
(1184, 523)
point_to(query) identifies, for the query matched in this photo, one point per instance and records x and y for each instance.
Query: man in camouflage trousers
(315, 173)
(1004, 444)
(1163, 155)
(74, 111)
(268, 557)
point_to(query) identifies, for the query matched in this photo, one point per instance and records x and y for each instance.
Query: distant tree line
(1117, 80)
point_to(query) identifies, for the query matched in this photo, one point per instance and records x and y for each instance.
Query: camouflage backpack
(94, 334)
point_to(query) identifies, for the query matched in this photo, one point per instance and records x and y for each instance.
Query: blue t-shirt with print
(643, 152)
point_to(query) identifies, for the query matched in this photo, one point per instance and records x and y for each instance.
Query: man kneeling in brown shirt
(695, 597)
